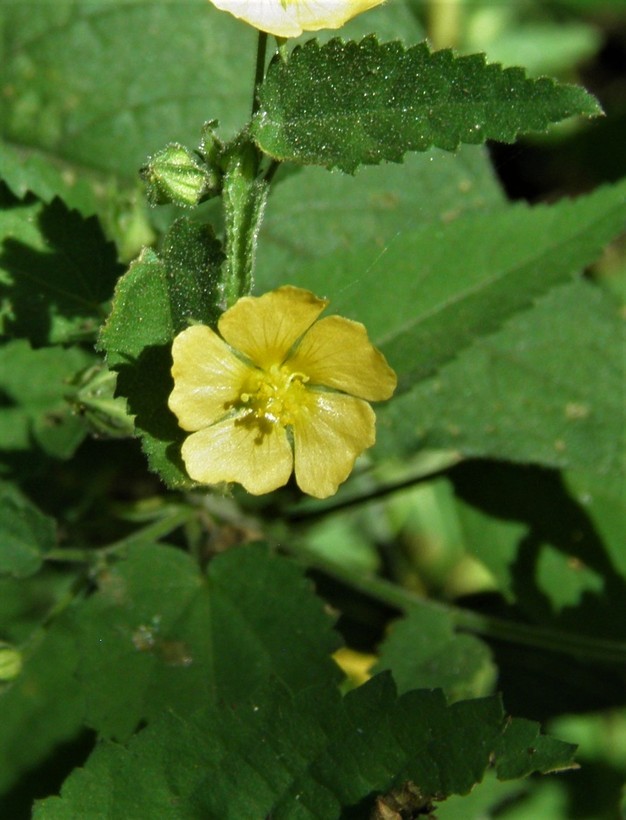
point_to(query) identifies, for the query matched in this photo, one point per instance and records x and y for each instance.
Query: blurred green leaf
(159, 634)
(489, 798)
(44, 706)
(602, 497)
(546, 389)
(92, 89)
(156, 299)
(346, 104)
(56, 271)
(434, 290)
(26, 172)
(422, 651)
(101, 85)
(311, 754)
(313, 214)
(25, 533)
(33, 409)
(543, 548)
(541, 47)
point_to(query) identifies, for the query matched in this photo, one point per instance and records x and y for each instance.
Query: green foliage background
(166, 651)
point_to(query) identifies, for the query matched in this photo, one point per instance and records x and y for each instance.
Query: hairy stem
(579, 646)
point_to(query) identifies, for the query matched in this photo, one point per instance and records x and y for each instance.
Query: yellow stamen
(272, 396)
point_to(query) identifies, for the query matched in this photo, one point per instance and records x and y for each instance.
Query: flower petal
(331, 430)
(266, 327)
(336, 352)
(208, 378)
(234, 450)
(289, 18)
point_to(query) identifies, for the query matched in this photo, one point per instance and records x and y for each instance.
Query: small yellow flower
(277, 389)
(289, 18)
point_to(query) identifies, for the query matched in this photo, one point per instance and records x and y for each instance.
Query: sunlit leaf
(346, 104)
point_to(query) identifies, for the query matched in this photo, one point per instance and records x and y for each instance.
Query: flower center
(273, 396)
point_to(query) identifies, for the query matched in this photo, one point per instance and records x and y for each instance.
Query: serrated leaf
(313, 755)
(26, 534)
(157, 298)
(33, 409)
(422, 651)
(546, 389)
(56, 271)
(26, 171)
(523, 750)
(346, 104)
(160, 634)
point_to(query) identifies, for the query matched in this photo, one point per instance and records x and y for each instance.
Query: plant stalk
(578, 646)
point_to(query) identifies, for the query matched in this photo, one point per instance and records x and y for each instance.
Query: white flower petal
(289, 18)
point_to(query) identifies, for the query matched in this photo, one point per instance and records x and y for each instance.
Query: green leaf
(544, 546)
(422, 651)
(57, 54)
(156, 299)
(25, 533)
(309, 755)
(43, 706)
(56, 271)
(602, 498)
(554, 47)
(546, 389)
(26, 172)
(433, 291)
(33, 386)
(159, 634)
(523, 750)
(314, 214)
(346, 104)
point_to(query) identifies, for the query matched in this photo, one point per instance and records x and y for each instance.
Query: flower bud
(176, 175)
(93, 397)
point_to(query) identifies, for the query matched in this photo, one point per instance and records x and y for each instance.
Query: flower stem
(310, 510)
(445, 21)
(259, 73)
(150, 533)
(579, 646)
(244, 195)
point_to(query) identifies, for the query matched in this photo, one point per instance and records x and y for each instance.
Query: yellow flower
(277, 389)
(289, 18)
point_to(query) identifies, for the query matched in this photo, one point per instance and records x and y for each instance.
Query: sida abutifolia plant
(229, 585)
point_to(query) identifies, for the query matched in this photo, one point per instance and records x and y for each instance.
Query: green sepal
(93, 397)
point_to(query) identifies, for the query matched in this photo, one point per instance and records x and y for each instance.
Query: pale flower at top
(289, 18)
(277, 389)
